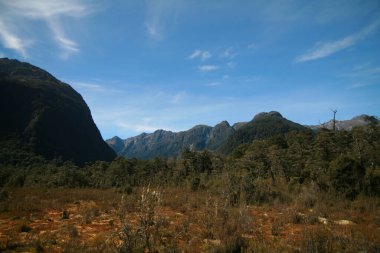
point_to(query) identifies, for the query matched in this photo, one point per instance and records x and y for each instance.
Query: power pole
(334, 121)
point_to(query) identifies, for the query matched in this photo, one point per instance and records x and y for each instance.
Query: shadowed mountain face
(222, 137)
(169, 144)
(46, 117)
(263, 125)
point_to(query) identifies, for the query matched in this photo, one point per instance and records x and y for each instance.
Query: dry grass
(88, 220)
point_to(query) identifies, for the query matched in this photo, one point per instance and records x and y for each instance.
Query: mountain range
(222, 138)
(44, 116)
(168, 144)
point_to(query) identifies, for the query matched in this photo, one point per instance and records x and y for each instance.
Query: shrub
(25, 228)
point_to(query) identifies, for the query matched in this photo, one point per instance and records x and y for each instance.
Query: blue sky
(171, 64)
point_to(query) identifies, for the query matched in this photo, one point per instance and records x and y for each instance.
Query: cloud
(203, 55)
(12, 41)
(207, 68)
(89, 86)
(231, 64)
(177, 98)
(357, 85)
(228, 53)
(48, 8)
(322, 50)
(139, 128)
(159, 15)
(325, 49)
(363, 76)
(364, 72)
(67, 45)
(214, 84)
(18, 14)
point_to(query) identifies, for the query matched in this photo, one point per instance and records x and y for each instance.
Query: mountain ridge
(217, 138)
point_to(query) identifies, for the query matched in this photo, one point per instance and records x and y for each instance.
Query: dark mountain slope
(169, 144)
(44, 116)
(264, 125)
(165, 143)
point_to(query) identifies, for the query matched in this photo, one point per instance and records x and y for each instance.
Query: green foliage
(262, 171)
(347, 176)
(263, 126)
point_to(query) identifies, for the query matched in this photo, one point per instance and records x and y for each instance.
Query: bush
(347, 176)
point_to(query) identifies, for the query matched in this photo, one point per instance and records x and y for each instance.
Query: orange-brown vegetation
(180, 220)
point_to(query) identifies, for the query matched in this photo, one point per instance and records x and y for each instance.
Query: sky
(143, 65)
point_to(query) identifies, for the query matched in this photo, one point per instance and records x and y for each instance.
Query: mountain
(221, 138)
(361, 120)
(263, 125)
(44, 116)
(170, 144)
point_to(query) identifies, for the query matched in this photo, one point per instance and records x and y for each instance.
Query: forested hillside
(345, 162)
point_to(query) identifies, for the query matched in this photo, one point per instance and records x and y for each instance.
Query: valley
(265, 185)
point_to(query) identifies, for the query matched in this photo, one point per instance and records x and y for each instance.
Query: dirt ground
(88, 220)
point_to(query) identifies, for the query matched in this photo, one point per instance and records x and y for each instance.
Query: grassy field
(178, 220)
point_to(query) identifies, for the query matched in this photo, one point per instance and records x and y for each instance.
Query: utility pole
(334, 121)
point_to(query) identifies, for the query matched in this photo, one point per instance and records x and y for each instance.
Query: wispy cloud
(325, 49)
(357, 85)
(228, 53)
(11, 40)
(67, 45)
(19, 13)
(214, 84)
(207, 68)
(177, 98)
(363, 76)
(89, 86)
(203, 55)
(231, 64)
(139, 128)
(159, 15)
(364, 72)
(85, 87)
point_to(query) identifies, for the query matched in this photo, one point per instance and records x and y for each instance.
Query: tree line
(344, 163)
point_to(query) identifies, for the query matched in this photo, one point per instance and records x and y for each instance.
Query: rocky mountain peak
(263, 115)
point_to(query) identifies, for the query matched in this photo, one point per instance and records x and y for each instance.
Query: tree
(347, 176)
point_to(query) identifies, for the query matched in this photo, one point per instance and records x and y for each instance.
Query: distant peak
(116, 138)
(224, 123)
(365, 117)
(200, 126)
(267, 114)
